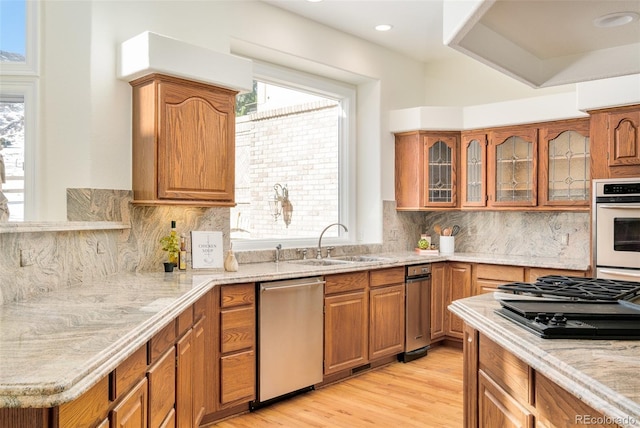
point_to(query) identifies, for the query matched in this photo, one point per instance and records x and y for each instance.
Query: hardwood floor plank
(426, 392)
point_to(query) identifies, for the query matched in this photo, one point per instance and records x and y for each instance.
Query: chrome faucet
(319, 251)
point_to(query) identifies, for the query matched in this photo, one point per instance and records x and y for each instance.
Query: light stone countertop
(55, 346)
(602, 373)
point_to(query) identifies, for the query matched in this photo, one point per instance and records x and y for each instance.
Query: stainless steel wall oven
(616, 228)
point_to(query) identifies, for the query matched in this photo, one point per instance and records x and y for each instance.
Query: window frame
(346, 94)
(31, 66)
(21, 79)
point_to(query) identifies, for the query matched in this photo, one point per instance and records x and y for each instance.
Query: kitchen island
(513, 374)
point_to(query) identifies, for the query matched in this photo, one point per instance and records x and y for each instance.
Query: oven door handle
(621, 273)
(619, 207)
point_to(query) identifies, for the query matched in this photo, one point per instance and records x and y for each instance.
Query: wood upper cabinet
(346, 321)
(426, 165)
(183, 142)
(513, 167)
(473, 168)
(565, 164)
(386, 312)
(620, 129)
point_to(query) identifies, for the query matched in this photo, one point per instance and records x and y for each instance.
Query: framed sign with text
(206, 250)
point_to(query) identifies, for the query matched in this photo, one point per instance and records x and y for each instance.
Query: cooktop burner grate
(577, 288)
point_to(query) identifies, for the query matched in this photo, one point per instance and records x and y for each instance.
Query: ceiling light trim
(617, 19)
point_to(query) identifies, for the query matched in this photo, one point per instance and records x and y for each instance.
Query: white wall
(86, 110)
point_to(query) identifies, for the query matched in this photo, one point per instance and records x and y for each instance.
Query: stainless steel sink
(340, 260)
(322, 262)
(362, 258)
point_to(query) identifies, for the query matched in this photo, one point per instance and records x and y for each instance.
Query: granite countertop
(602, 373)
(55, 346)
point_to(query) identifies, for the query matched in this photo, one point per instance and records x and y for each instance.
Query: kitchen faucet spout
(319, 251)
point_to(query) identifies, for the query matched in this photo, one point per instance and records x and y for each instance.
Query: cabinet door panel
(513, 163)
(557, 407)
(184, 381)
(439, 281)
(386, 328)
(132, 411)
(195, 157)
(474, 170)
(162, 388)
(440, 174)
(624, 139)
(345, 327)
(459, 287)
(565, 164)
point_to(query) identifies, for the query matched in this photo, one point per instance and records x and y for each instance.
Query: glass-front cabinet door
(565, 164)
(440, 156)
(513, 175)
(473, 188)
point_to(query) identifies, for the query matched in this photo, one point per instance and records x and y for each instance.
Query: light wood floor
(426, 392)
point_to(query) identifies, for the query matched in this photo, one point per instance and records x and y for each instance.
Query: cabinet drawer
(237, 377)
(237, 295)
(346, 282)
(237, 329)
(508, 371)
(386, 276)
(500, 272)
(161, 341)
(128, 373)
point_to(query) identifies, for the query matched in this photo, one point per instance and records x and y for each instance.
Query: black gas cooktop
(561, 307)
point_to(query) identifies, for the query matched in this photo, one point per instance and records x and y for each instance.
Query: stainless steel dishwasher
(290, 337)
(417, 311)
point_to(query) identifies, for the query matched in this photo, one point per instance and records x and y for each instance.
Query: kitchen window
(18, 107)
(292, 144)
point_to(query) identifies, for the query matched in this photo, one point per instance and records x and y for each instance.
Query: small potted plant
(171, 244)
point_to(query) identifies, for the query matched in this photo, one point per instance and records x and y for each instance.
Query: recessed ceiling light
(314, 1)
(383, 27)
(615, 19)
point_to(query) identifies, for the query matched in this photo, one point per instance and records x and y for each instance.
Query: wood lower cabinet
(237, 355)
(500, 390)
(439, 287)
(345, 321)
(459, 287)
(386, 312)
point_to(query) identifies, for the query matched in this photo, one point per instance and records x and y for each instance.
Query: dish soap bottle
(230, 262)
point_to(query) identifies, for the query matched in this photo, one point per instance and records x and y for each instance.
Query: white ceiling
(549, 31)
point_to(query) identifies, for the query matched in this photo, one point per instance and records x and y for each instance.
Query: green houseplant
(171, 244)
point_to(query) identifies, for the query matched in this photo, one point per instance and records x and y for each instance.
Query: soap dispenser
(230, 262)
